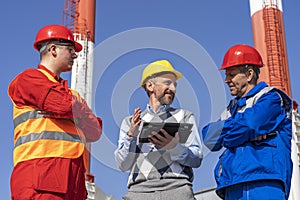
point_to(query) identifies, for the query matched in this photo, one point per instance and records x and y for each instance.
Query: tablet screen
(184, 129)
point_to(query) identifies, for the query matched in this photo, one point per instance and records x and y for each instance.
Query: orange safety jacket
(37, 136)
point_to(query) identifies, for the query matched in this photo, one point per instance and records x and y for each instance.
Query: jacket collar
(50, 72)
(241, 101)
(256, 89)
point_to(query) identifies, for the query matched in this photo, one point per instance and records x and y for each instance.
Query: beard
(166, 98)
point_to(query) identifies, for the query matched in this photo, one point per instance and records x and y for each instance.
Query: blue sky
(129, 34)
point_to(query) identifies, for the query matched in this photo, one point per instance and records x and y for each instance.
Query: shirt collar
(160, 109)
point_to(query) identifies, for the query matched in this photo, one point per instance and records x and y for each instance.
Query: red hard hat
(241, 54)
(56, 32)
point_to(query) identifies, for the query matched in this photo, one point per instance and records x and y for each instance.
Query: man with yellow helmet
(160, 168)
(52, 123)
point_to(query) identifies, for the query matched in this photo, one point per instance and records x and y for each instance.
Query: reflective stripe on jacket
(36, 136)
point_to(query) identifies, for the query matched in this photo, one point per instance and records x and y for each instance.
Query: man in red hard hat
(52, 123)
(255, 130)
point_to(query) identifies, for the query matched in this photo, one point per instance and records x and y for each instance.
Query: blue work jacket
(264, 110)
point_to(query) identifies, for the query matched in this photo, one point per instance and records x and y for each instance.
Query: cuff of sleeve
(99, 121)
(129, 140)
(177, 151)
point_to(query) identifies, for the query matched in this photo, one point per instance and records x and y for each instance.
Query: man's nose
(173, 87)
(227, 79)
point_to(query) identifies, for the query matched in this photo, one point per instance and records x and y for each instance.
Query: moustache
(169, 92)
(166, 92)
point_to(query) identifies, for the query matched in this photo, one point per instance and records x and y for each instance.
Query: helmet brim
(78, 46)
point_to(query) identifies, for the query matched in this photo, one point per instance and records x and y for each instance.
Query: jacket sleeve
(213, 135)
(125, 154)
(90, 125)
(189, 154)
(33, 88)
(260, 119)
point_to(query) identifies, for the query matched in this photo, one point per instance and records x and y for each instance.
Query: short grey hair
(245, 68)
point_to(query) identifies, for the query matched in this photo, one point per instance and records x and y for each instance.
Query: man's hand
(260, 138)
(164, 140)
(45, 113)
(52, 115)
(135, 123)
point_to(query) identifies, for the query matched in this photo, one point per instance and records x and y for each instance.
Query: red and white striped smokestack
(85, 24)
(84, 28)
(269, 40)
(82, 70)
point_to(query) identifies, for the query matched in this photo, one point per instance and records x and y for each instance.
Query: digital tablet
(184, 130)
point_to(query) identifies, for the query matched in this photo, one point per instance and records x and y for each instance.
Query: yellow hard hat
(158, 67)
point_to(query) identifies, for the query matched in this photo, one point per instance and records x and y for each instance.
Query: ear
(149, 86)
(53, 50)
(250, 75)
